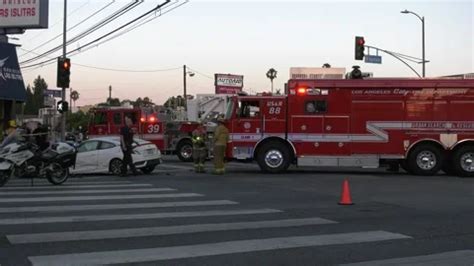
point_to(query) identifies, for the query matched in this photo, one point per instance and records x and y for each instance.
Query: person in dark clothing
(41, 137)
(126, 141)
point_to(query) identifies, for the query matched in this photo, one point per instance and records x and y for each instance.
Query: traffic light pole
(63, 97)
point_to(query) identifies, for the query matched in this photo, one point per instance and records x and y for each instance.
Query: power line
(170, 8)
(128, 70)
(94, 28)
(73, 27)
(105, 35)
(204, 75)
(58, 22)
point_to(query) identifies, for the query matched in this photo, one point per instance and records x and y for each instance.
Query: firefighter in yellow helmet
(221, 137)
(12, 134)
(199, 139)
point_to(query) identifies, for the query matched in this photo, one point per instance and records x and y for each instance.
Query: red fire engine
(171, 137)
(424, 125)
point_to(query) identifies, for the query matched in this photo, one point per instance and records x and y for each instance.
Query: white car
(104, 155)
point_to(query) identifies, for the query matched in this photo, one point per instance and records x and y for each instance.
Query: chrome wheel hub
(426, 160)
(274, 158)
(467, 162)
(186, 152)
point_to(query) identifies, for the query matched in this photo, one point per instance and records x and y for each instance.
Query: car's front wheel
(115, 166)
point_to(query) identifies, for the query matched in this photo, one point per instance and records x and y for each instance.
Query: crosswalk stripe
(160, 231)
(458, 257)
(41, 182)
(64, 208)
(199, 250)
(115, 217)
(16, 193)
(66, 186)
(109, 197)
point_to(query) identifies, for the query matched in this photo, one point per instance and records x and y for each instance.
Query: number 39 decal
(153, 129)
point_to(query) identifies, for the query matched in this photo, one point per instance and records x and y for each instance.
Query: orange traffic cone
(346, 194)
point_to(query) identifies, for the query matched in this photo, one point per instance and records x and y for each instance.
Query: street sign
(373, 59)
(48, 101)
(53, 93)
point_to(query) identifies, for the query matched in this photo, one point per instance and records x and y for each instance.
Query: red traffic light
(66, 65)
(360, 41)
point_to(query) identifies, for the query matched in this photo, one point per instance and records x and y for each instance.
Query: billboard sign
(12, 86)
(228, 84)
(24, 14)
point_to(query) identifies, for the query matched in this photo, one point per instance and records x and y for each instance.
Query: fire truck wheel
(115, 166)
(463, 161)
(425, 159)
(273, 157)
(184, 150)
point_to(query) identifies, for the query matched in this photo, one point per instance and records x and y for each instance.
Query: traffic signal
(64, 71)
(359, 48)
(62, 107)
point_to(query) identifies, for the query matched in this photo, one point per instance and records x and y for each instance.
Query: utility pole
(422, 19)
(63, 96)
(184, 87)
(70, 105)
(423, 43)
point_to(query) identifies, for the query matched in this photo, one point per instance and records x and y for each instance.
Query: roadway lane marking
(43, 182)
(109, 197)
(65, 186)
(211, 249)
(458, 257)
(65, 208)
(17, 193)
(115, 217)
(161, 231)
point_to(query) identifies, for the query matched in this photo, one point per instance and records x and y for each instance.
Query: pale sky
(248, 38)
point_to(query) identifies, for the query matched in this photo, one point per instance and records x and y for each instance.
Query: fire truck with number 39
(423, 125)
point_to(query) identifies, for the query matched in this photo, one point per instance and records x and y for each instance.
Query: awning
(12, 86)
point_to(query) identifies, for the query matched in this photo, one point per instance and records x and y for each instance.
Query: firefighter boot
(219, 171)
(201, 169)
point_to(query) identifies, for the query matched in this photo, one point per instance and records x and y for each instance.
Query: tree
(145, 102)
(272, 74)
(74, 96)
(326, 65)
(35, 96)
(78, 119)
(29, 105)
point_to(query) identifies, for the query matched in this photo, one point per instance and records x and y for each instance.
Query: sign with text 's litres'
(23, 14)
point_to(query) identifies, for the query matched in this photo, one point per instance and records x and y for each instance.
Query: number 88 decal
(153, 129)
(274, 110)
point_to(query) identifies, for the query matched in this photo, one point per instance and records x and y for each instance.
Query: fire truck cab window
(117, 119)
(249, 109)
(134, 117)
(315, 107)
(100, 118)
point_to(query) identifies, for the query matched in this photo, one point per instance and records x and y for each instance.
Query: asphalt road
(176, 217)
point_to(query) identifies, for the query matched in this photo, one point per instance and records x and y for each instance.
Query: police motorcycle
(25, 159)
